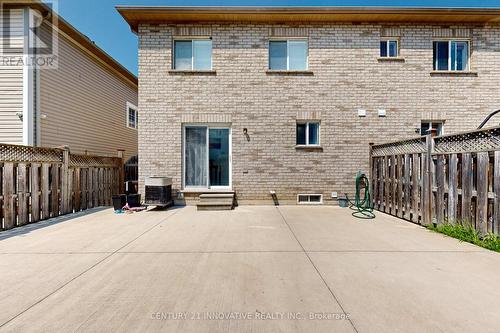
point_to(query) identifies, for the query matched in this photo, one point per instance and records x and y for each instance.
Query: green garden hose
(363, 207)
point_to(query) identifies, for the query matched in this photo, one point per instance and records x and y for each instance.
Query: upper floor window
(132, 116)
(389, 48)
(451, 55)
(426, 127)
(288, 54)
(308, 134)
(193, 54)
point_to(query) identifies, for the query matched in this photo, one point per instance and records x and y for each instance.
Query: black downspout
(487, 119)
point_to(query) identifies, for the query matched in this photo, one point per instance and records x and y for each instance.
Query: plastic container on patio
(343, 202)
(134, 200)
(119, 201)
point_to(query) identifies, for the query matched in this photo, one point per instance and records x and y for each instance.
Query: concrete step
(216, 201)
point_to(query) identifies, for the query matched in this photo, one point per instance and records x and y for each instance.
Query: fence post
(370, 171)
(121, 168)
(427, 181)
(65, 181)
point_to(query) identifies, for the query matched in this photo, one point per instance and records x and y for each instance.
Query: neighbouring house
(88, 101)
(261, 100)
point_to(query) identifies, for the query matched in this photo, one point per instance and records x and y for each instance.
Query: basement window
(193, 54)
(132, 116)
(389, 48)
(451, 55)
(308, 134)
(310, 199)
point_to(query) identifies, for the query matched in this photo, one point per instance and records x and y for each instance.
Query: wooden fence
(441, 179)
(40, 183)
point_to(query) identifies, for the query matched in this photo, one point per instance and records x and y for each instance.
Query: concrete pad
(26, 279)
(105, 272)
(335, 229)
(130, 290)
(416, 292)
(243, 229)
(95, 231)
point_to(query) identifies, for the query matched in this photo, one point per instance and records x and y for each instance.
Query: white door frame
(230, 157)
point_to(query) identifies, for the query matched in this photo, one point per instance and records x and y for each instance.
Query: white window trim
(309, 202)
(390, 39)
(287, 40)
(307, 144)
(133, 107)
(192, 39)
(430, 122)
(449, 41)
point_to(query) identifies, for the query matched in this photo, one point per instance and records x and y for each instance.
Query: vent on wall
(310, 199)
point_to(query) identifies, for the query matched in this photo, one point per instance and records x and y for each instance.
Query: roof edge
(134, 14)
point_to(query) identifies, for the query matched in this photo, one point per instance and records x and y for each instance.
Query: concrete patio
(268, 268)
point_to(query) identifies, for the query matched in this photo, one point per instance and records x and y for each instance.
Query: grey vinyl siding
(11, 79)
(83, 105)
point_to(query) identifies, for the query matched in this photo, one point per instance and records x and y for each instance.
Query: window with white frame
(289, 54)
(193, 54)
(451, 55)
(426, 127)
(132, 116)
(310, 199)
(308, 133)
(389, 48)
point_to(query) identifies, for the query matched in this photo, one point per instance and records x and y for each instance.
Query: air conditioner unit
(158, 191)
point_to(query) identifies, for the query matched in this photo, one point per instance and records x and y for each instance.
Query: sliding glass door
(207, 157)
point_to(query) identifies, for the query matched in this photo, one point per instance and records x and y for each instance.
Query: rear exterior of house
(263, 100)
(84, 102)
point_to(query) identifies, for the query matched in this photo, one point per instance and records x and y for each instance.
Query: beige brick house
(254, 100)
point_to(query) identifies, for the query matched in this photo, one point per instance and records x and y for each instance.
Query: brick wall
(346, 76)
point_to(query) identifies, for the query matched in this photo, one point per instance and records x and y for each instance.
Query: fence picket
(45, 191)
(415, 172)
(375, 183)
(35, 192)
(394, 186)
(95, 186)
(22, 194)
(400, 186)
(496, 189)
(440, 182)
(77, 194)
(452, 188)
(54, 190)
(381, 184)
(407, 187)
(1, 198)
(9, 212)
(387, 184)
(482, 193)
(467, 184)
